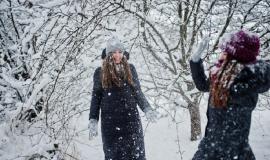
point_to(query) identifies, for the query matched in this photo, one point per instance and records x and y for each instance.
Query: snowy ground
(161, 138)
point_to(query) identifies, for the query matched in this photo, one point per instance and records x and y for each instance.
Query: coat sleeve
(96, 95)
(197, 72)
(252, 79)
(139, 96)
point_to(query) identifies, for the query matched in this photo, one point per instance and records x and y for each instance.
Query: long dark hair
(221, 78)
(110, 77)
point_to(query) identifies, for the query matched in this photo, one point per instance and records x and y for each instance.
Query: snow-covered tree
(50, 48)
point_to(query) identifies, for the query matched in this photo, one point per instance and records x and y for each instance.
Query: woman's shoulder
(259, 67)
(254, 78)
(97, 73)
(97, 70)
(255, 71)
(131, 66)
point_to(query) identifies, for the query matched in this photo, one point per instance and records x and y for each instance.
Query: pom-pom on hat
(241, 45)
(114, 44)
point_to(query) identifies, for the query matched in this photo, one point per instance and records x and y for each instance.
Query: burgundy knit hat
(241, 45)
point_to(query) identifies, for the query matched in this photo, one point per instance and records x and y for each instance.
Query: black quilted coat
(121, 127)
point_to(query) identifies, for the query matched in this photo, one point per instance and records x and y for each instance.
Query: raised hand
(195, 57)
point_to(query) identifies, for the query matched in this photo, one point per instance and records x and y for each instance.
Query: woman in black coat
(234, 84)
(116, 93)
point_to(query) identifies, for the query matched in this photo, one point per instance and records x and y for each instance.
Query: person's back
(234, 84)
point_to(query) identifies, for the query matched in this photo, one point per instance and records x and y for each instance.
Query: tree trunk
(195, 122)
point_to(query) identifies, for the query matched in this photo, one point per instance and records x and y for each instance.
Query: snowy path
(161, 139)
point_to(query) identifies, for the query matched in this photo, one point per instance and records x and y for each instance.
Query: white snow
(51, 31)
(161, 140)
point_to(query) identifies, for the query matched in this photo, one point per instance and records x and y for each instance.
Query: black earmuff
(126, 54)
(103, 55)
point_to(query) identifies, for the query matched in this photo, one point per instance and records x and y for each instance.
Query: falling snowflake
(117, 128)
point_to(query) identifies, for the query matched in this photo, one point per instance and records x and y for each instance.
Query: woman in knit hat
(116, 93)
(233, 85)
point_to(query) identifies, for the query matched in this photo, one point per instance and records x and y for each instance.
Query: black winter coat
(121, 127)
(227, 130)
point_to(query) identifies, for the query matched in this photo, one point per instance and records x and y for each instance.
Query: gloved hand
(93, 128)
(151, 115)
(195, 57)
